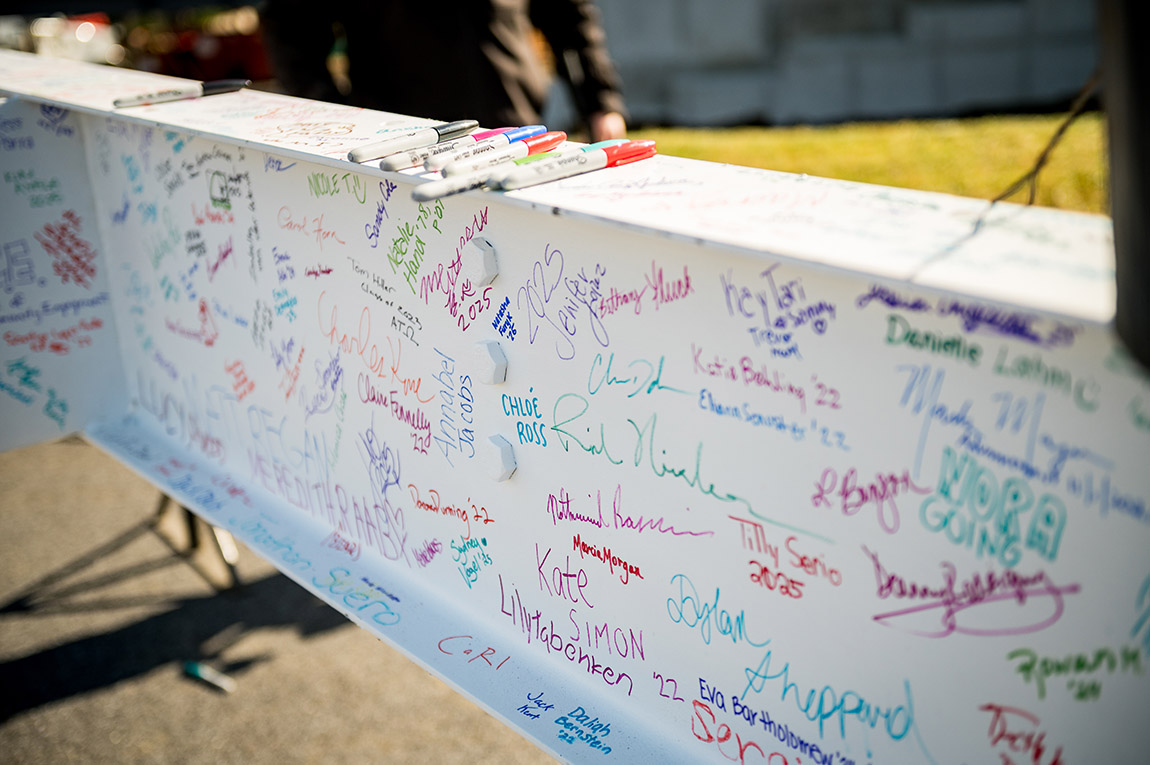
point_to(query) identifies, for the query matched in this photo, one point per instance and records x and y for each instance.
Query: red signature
(337, 542)
(1020, 737)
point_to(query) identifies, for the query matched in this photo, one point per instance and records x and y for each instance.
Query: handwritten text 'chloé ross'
(360, 345)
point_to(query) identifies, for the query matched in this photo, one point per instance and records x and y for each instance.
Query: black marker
(414, 139)
(194, 90)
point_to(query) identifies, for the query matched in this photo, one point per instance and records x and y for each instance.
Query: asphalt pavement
(99, 616)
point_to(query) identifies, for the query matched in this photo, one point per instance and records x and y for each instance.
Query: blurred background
(949, 95)
(98, 616)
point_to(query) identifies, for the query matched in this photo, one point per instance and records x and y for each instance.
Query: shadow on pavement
(196, 628)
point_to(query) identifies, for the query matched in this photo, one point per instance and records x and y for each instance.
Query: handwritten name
(287, 222)
(952, 599)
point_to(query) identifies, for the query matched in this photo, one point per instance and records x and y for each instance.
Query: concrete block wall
(719, 62)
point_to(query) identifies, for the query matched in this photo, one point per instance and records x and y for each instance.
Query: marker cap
(494, 154)
(520, 133)
(224, 86)
(455, 129)
(568, 164)
(440, 161)
(626, 153)
(545, 141)
(483, 135)
(604, 144)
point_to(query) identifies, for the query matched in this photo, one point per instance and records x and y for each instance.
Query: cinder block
(646, 111)
(644, 33)
(982, 77)
(837, 17)
(887, 75)
(726, 32)
(897, 83)
(1059, 68)
(966, 22)
(818, 47)
(647, 89)
(726, 97)
(836, 77)
(1063, 17)
(813, 89)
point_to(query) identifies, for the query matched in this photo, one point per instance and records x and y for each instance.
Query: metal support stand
(219, 545)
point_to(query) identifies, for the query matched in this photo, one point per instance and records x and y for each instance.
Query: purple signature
(954, 599)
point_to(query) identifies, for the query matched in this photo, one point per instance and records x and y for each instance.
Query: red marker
(515, 150)
(580, 162)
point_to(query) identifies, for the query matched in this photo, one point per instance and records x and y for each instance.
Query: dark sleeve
(574, 29)
(298, 37)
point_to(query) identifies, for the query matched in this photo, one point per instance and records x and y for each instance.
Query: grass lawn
(977, 157)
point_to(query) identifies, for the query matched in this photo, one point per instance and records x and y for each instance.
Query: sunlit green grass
(979, 157)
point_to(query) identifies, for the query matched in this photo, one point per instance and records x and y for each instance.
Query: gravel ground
(98, 617)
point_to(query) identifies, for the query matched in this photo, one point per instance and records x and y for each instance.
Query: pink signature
(950, 601)
(882, 492)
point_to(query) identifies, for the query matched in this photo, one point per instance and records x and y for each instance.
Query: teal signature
(646, 377)
(567, 415)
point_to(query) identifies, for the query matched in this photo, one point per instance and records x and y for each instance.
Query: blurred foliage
(976, 157)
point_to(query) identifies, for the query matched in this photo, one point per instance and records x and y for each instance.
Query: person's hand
(607, 125)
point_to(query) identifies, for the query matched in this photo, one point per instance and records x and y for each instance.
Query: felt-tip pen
(480, 179)
(500, 154)
(441, 161)
(413, 139)
(490, 178)
(201, 671)
(579, 162)
(416, 157)
(195, 90)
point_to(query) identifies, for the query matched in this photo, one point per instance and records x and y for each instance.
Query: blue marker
(492, 177)
(439, 161)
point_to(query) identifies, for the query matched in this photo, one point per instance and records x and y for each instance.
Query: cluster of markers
(504, 158)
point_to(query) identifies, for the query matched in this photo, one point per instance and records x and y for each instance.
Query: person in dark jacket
(449, 59)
